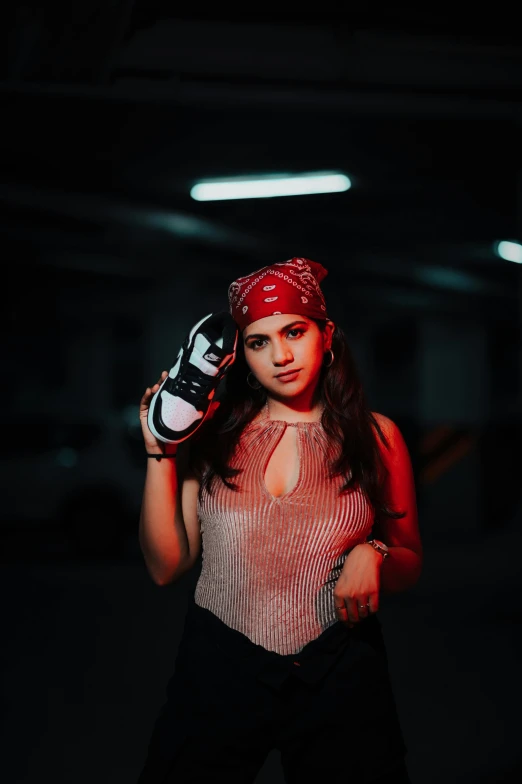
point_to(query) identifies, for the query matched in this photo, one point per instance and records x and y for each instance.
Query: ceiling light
(268, 187)
(509, 250)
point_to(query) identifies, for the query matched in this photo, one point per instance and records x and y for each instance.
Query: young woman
(284, 491)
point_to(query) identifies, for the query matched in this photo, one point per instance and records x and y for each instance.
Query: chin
(294, 391)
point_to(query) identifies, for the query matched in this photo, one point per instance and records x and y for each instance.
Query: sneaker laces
(192, 385)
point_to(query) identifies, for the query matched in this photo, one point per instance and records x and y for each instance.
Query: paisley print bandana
(284, 287)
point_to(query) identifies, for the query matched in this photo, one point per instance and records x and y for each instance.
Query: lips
(288, 373)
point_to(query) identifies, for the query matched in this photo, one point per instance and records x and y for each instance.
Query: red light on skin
(288, 377)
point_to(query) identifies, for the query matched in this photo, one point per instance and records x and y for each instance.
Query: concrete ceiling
(113, 113)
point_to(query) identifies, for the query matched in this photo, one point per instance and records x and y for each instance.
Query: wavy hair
(346, 419)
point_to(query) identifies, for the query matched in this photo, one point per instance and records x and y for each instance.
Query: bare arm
(162, 534)
(403, 567)
(169, 532)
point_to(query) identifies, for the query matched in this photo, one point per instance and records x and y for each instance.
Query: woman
(286, 487)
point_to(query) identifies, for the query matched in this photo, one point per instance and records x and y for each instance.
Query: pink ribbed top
(265, 559)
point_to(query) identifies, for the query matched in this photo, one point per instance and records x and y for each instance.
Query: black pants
(230, 702)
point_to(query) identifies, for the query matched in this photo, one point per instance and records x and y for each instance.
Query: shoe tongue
(207, 355)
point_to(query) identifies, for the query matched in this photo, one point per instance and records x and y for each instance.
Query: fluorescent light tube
(510, 251)
(269, 187)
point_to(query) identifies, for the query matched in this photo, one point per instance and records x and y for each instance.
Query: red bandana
(285, 287)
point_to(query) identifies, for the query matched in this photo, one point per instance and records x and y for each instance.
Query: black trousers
(329, 709)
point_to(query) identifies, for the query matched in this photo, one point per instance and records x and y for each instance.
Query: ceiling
(113, 111)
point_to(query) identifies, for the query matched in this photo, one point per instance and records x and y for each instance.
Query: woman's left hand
(358, 585)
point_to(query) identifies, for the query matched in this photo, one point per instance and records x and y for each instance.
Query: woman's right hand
(152, 444)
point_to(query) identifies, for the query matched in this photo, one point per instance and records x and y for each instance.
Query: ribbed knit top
(266, 559)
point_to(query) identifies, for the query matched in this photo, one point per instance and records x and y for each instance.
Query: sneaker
(182, 403)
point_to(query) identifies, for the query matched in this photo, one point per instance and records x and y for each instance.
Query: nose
(281, 355)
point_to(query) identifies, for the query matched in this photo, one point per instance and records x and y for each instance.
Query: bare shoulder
(395, 452)
(381, 418)
(387, 425)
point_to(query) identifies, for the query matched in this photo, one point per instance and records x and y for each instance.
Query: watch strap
(377, 546)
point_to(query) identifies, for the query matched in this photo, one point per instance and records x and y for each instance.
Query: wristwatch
(379, 546)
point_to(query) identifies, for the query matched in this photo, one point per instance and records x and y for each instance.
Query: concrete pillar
(454, 393)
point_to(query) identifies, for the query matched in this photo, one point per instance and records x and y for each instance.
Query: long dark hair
(346, 420)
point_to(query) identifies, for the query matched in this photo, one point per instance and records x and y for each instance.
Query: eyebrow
(283, 329)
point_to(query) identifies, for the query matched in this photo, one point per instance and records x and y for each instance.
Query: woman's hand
(152, 444)
(358, 585)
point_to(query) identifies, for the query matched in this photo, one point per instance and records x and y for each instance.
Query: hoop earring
(251, 385)
(332, 359)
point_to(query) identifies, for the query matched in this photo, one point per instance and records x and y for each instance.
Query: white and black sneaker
(182, 403)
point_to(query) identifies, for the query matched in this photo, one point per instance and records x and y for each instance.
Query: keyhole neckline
(265, 415)
(298, 437)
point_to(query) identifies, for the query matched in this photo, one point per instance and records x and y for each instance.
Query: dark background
(110, 113)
